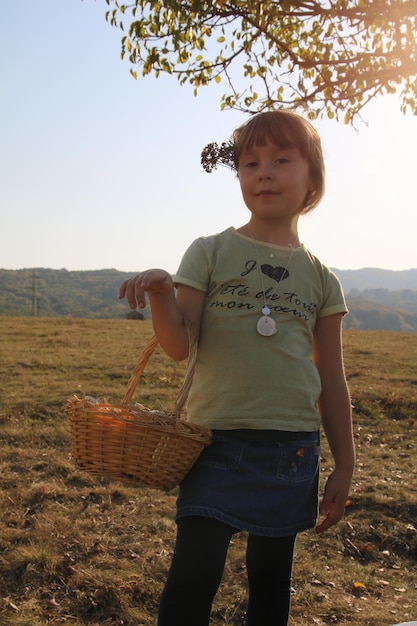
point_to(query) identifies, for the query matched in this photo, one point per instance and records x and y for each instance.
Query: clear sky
(98, 170)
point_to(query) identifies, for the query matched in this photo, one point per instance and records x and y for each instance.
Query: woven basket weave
(132, 443)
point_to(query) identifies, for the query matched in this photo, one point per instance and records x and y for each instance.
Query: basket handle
(143, 360)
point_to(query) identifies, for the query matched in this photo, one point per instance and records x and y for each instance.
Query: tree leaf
(327, 58)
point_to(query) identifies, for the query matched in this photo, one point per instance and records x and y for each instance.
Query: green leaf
(325, 57)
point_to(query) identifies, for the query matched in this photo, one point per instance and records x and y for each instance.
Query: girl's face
(274, 181)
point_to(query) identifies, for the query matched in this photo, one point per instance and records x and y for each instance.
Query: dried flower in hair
(213, 155)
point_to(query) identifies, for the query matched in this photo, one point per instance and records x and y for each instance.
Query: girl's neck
(275, 234)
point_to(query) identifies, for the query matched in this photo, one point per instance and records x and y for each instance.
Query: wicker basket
(132, 443)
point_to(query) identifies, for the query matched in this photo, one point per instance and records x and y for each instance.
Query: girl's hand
(153, 281)
(333, 503)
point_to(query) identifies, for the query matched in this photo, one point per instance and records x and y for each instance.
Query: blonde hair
(287, 130)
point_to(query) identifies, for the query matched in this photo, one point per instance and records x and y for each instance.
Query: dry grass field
(78, 550)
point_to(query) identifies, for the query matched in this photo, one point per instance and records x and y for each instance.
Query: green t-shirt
(243, 379)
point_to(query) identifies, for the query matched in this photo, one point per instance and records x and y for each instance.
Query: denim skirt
(263, 482)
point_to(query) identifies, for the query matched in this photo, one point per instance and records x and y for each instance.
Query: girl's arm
(336, 415)
(170, 310)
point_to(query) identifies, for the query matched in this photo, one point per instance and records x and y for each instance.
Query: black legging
(197, 568)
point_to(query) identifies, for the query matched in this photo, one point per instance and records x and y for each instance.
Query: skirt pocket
(298, 462)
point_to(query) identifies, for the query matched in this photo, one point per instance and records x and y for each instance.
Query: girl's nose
(265, 172)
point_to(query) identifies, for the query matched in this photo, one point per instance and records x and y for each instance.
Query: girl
(269, 371)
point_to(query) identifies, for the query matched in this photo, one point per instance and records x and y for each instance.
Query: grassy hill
(93, 295)
(60, 293)
(373, 314)
(78, 550)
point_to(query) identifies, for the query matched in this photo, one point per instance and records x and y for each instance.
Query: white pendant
(266, 326)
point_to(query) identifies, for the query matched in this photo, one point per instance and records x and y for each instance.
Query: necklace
(266, 326)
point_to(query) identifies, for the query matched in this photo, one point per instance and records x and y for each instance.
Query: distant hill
(377, 299)
(61, 293)
(374, 278)
(380, 299)
(374, 315)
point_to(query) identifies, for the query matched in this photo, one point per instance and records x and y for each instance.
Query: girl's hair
(287, 130)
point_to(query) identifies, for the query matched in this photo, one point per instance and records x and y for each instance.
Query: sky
(98, 170)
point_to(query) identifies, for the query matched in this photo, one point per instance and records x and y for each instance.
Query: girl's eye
(283, 160)
(251, 164)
